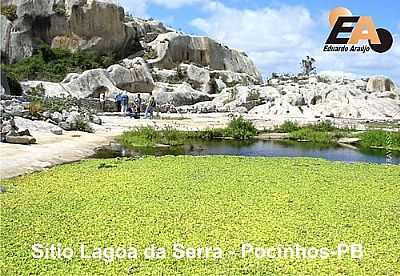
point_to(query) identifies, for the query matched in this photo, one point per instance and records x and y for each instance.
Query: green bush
(54, 64)
(232, 83)
(150, 54)
(240, 128)
(322, 126)
(10, 12)
(380, 139)
(83, 125)
(287, 127)
(59, 9)
(35, 108)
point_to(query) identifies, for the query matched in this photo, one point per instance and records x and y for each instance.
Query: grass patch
(149, 137)
(209, 201)
(323, 132)
(313, 136)
(238, 128)
(380, 139)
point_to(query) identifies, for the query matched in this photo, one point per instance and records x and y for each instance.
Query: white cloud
(135, 7)
(174, 4)
(139, 7)
(278, 38)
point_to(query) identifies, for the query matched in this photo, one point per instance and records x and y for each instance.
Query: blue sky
(277, 34)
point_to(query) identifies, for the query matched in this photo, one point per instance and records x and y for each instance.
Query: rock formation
(173, 49)
(304, 97)
(71, 24)
(380, 84)
(185, 73)
(131, 75)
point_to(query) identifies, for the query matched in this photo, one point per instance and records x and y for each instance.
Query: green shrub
(59, 9)
(322, 126)
(254, 95)
(232, 83)
(54, 64)
(150, 54)
(36, 93)
(287, 127)
(10, 12)
(380, 139)
(83, 125)
(240, 128)
(35, 108)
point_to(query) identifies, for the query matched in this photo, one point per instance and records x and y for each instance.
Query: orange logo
(360, 28)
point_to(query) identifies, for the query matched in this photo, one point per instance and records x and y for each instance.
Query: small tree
(10, 12)
(240, 128)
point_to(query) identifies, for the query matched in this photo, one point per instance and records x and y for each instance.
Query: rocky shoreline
(51, 149)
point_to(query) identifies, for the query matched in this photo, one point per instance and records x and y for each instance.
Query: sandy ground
(72, 146)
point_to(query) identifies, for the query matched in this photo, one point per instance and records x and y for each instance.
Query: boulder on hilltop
(174, 48)
(380, 84)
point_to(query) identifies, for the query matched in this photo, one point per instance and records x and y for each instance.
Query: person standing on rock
(138, 103)
(102, 100)
(118, 102)
(151, 106)
(124, 103)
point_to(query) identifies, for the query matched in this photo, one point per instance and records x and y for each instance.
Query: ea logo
(361, 28)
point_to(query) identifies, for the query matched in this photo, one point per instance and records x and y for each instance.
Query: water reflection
(257, 148)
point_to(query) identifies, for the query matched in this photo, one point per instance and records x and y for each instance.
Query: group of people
(134, 109)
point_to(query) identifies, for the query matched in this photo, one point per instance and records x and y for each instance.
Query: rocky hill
(185, 73)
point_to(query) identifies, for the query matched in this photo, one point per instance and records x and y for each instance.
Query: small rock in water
(350, 141)
(2, 189)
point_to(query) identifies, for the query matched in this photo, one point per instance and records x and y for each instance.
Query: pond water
(258, 148)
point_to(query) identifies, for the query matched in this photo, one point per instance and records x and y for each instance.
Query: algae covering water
(100, 217)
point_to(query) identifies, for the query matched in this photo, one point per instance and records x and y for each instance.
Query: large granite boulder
(334, 99)
(5, 32)
(97, 25)
(201, 78)
(381, 84)
(178, 95)
(147, 29)
(51, 89)
(132, 76)
(174, 48)
(70, 24)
